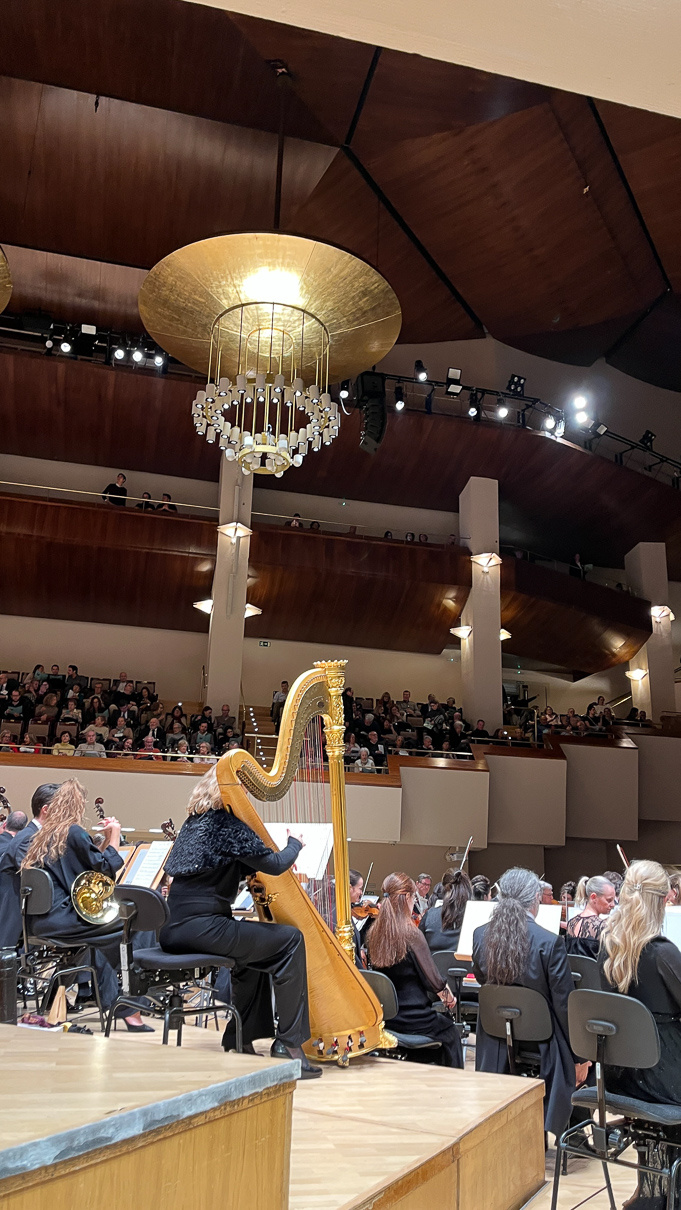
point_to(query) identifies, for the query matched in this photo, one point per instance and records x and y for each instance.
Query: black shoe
(307, 1069)
(247, 1048)
(138, 1029)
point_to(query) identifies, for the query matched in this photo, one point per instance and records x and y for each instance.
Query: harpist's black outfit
(63, 923)
(211, 855)
(417, 980)
(658, 986)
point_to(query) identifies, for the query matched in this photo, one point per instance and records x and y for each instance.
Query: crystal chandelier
(271, 320)
(268, 418)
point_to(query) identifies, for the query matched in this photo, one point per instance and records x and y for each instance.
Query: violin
(365, 911)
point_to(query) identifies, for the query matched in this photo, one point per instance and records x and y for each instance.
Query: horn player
(64, 849)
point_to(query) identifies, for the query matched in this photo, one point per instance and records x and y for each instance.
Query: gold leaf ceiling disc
(5, 282)
(185, 292)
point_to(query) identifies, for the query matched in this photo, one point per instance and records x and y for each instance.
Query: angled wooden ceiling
(131, 127)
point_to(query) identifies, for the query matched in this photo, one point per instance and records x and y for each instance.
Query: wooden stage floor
(385, 1135)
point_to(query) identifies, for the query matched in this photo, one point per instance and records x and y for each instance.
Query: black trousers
(261, 952)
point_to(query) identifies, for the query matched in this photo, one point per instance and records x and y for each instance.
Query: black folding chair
(518, 1015)
(384, 990)
(49, 962)
(455, 972)
(168, 976)
(616, 1031)
(584, 972)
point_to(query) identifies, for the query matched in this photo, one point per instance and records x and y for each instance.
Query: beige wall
(527, 799)
(444, 806)
(81, 477)
(173, 658)
(369, 518)
(659, 777)
(602, 792)
(369, 672)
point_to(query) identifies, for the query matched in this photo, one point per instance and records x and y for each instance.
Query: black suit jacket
(11, 857)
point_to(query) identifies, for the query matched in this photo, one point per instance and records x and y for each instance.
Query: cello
(346, 1019)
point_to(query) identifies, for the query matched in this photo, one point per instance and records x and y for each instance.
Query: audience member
(410, 537)
(156, 731)
(115, 493)
(91, 747)
(205, 754)
(479, 731)
(295, 522)
(365, 764)
(145, 503)
(278, 698)
(166, 506)
(148, 750)
(64, 746)
(201, 736)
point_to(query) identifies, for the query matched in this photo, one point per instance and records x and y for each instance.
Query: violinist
(360, 911)
(423, 884)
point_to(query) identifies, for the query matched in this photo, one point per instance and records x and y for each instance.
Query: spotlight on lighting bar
(159, 359)
(138, 356)
(461, 632)
(474, 407)
(234, 530)
(453, 386)
(516, 385)
(636, 674)
(659, 612)
(504, 634)
(582, 418)
(485, 561)
(579, 402)
(647, 439)
(251, 611)
(399, 398)
(205, 606)
(66, 345)
(550, 422)
(420, 371)
(119, 352)
(344, 392)
(502, 409)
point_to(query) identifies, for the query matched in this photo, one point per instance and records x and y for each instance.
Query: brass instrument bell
(92, 897)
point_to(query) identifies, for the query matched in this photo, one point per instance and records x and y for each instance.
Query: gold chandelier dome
(184, 295)
(5, 282)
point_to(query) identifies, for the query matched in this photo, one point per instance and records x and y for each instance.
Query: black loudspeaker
(370, 397)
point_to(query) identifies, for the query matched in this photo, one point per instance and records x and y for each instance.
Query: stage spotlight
(474, 408)
(647, 439)
(453, 386)
(119, 352)
(516, 385)
(502, 409)
(138, 356)
(399, 398)
(49, 343)
(582, 418)
(344, 392)
(159, 359)
(598, 429)
(549, 422)
(66, 345)
(579, 402)
(420, 371)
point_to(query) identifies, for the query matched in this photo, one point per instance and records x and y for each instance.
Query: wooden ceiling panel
(129, 184)
(648, 146)
(651, 349)
(73, 289)
(344, 210)
(161, 53)
(504, 209)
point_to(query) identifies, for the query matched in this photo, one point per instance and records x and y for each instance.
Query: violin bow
(464, 859)
(366, 881)
(623, 857)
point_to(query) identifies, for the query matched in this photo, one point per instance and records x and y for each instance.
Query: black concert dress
(211, 855)
(583, 935)
(546, 971)
(437, 937)
(658, 986)
(417, 980)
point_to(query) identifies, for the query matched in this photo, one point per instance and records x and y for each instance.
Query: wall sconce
(659, 612)
(234, 530)
(205, 606)
(251, 611)
(461, 632)
(486, 561)
(504, 634)
(636, 674)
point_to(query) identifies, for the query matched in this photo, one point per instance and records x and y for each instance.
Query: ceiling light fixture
(420, 371)
(502, 410)
(66, 345)
(636, 674)
(453, 384)
(274, 319)
(205, 606)
(344, 392)
(485, 561)
(251, 611)
(461, 632)
(504, 634)
(659, 612)
(119, 352)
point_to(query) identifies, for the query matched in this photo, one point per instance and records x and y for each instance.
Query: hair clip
(637, 886)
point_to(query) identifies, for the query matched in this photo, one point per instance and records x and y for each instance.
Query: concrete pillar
(646, 568)
(230, 581)
(481, 651)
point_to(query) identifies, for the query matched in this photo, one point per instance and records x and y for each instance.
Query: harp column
(651, 670)
(481, 649)
(230, 584)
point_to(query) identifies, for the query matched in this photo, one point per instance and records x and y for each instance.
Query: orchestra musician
(11, 858)
(213, 852)
(514, 949)
(636, 960)
(63, 848)
(356, 892)
(583, 931)
(441, 925)
(400, 951)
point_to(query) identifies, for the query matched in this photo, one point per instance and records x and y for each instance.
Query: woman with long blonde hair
(213, 852)
(399, 950)
(64, 849)
(637, 960)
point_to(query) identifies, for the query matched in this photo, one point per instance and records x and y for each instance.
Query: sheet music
(672, 925)
(479, 911)
(146, 866)
(318, 839)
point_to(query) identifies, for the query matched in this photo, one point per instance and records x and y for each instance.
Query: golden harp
(345, 1017)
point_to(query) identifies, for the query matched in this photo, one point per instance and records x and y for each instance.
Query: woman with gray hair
(514, 949)
(583, 932)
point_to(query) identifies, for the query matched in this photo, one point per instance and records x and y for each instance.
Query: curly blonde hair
(206, 795)
(637, 921)
(66, 808)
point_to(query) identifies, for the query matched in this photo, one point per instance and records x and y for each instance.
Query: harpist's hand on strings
(299, 838)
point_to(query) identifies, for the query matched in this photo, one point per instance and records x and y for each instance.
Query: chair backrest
(151, 908)
(527, 1010)
(384, 991)
(445, 961)
(40, 730)
(587, 969)
(631, 1038)
(37, 891)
